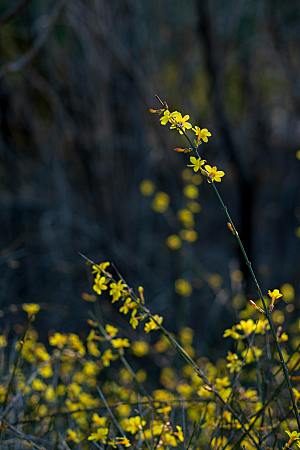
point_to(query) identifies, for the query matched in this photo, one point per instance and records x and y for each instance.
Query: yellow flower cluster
(67, 371)
(129, 302)
(181, 123)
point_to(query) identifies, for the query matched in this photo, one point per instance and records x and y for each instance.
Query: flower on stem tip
(177, 121)
(274, 295)
(31, 308)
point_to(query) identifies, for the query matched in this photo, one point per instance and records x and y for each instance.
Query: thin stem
(266, 310)
(259, 291)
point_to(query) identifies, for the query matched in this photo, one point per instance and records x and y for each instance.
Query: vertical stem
(267, 313)
(259, 291)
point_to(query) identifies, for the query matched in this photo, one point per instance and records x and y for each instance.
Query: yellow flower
(76, 344)
(191, 191)
(38, 385)
(46, 371)
(140, 348)
(58, 340)
(251, 354)
(50, 394)
(3, 341)
(195, 207)
(179, 433)
(31, 308)
(186, 336)
(111, 330)
(153, 323)
(116, 290)
(98, 268)
(183, 287)
(201, 134)
(213, 173)
(114, 443)
(93, 349)
(161, 202)
(283, 337)
(99, 436)
(288, 292)
(179, 122)
(234, 363)
(133, 424)
(165, 117)
(127, 306)
(134, 321)
(173, 242)
(99, 421)
(99, 284)
(246, 326)
(120, 343)
(90, 368)
(2, 393)
(147, 187)
(196, 163)
(189, 235)
(107, 357)
(186, 217)
(274, 295)
(73, 435)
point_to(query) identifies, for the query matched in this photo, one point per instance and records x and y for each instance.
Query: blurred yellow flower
(288, 292)
(194, 206)
(183, 287)
(58, 340)
(99, 436)
(120, 343)
(31, 308)
(147, 187)
(111, 330)
(140, 348)
(186, 335)
(3, 341)
(189, 235)
(161, 202)
(191, 191)
(186, 217)
(173, 242)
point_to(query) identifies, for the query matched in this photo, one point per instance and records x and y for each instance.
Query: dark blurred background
(76, 79)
